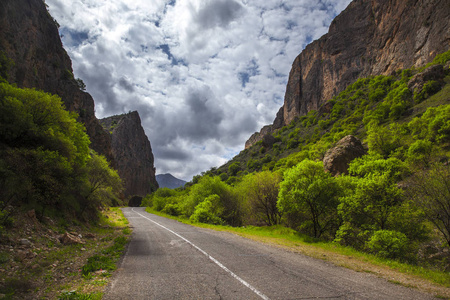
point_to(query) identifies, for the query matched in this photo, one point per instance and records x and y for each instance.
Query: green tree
(45, 161)
(368, 208)
(383, 140)
(104, 184)
(261, 192)
(234, 168)
(431, 192)
(388, 244)
(307, 190)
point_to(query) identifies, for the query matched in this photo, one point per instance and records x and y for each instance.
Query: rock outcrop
(338, 158)
(435, 73)
(370, 37)
(29, 37)
(132, 153)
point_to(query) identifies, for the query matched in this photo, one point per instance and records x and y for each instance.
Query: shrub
(234, 168)
(208, 211)
(420, 152)
(171, 209)
(430, 88)
(388, 244)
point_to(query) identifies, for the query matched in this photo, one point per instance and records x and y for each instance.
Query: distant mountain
(169, 181)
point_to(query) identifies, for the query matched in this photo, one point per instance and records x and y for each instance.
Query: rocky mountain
(30, 44)
(169, 181)
(29, 38)
(132, 153)
(370, 37)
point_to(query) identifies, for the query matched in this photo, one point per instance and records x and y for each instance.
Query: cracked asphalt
(170, 260)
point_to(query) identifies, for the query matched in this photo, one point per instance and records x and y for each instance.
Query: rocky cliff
(132, 153)
(29, 37)
(370, 37)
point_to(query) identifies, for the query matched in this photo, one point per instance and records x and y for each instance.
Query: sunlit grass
(113, 216)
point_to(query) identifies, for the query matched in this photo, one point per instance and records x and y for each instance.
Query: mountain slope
(374, 37)
(169, 181)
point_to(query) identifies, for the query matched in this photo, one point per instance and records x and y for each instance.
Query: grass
(405, 274)
(61, 271)
(105, 259)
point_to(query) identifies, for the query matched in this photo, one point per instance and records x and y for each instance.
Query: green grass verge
(106, 259)
(338, 254)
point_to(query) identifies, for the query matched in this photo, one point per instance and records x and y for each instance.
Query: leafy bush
(234, 168)
(420, 152)
(208, 211)
(171, 209)
(430, 88)
(367, 207)
(388, 244)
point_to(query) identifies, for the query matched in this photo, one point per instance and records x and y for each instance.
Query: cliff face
(132, 153)
(370, 37)
(29, 37)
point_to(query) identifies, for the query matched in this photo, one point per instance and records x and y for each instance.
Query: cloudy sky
(203, 74)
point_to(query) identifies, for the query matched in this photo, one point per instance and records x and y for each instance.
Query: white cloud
(203, 74)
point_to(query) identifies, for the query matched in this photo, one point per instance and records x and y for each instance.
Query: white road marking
(210, 257)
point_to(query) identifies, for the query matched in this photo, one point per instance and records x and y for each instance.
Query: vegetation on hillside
(45, 160)
(394, 202)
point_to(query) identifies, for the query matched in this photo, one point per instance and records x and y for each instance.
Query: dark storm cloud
(100, 86)
(172, 154)
(125, 84)
(204, 115)
(218, 13)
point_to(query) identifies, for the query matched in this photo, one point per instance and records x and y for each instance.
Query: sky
(204, 75)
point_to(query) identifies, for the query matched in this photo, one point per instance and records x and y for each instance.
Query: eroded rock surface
(132, 153)
(374, 37)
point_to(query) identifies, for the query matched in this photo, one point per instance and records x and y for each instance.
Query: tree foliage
(431, 191)
(45, 160)
(309, 191)
(261, 192)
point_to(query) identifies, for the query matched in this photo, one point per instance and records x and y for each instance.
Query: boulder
(268, 141)
(25, 242)
(69, 239)
(338, 158)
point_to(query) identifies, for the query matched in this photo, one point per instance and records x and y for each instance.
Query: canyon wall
(370, 37)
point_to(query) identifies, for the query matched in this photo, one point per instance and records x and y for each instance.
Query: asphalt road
(170, 260)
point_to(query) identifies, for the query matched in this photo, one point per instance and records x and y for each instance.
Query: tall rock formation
(132, 153)
(370, 37)
(29, 37)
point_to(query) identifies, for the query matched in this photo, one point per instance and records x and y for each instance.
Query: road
(170, 260)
